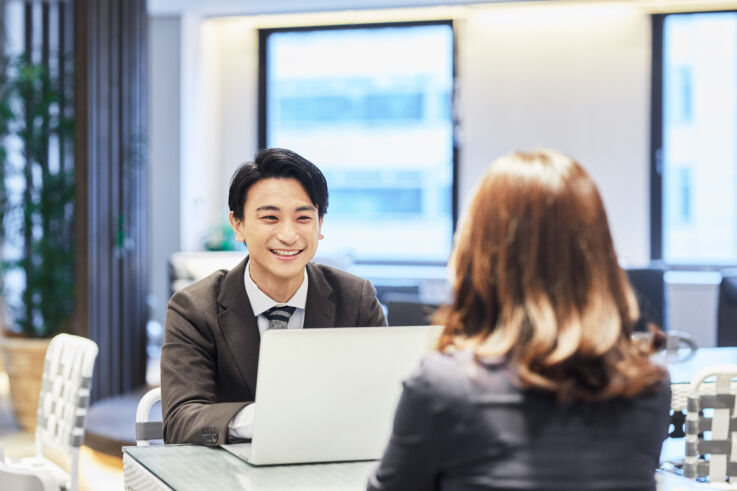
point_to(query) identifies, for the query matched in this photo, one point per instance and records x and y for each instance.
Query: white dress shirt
(261, 302)
(241, 426)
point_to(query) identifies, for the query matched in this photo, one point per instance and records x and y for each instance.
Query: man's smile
(286, 253)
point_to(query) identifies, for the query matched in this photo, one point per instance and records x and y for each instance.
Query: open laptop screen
(329, 395)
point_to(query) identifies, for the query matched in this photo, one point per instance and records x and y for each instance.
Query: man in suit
(213, 328)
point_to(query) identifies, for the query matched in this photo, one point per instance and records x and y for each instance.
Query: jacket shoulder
(458, 378)
(202, 294)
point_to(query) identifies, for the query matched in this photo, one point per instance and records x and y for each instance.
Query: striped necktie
(279, 316)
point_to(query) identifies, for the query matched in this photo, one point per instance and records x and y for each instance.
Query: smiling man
(213, 327)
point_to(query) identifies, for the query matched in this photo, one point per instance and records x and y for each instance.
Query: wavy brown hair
(537, 283)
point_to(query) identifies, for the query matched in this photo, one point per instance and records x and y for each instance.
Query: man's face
(281, 228)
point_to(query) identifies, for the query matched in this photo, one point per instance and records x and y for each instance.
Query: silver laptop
(329, 395)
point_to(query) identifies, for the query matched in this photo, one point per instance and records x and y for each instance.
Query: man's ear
(237, 227)
(319, 229)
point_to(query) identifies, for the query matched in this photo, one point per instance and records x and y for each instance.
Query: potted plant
(36, 213)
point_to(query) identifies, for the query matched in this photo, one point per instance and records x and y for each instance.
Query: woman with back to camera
(536, 383)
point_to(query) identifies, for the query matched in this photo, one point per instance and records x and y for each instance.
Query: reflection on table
(195, 467)
(682, 373)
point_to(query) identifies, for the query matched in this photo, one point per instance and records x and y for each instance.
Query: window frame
(262, 123)
(656, 145)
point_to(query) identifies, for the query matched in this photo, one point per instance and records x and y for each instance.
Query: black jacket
(464, 426)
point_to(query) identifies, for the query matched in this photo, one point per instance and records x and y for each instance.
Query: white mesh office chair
(148, 430)
(711, 424)
(62, 409)
(136, 476)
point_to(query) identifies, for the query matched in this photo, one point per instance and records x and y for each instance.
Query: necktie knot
(279, 316)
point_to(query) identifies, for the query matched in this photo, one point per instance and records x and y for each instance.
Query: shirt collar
(261, 302)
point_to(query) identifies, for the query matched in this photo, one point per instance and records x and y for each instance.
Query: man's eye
(268, 217)
(304, 219)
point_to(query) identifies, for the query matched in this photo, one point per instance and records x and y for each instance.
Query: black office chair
(407, 310)
(384, 293)
(649, 286)
(727, 309)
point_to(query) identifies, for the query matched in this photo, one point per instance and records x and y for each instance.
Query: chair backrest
(649, 286)
(404, 309)
(711, 412)
(148, 430)
(63, 401)
(727, 310)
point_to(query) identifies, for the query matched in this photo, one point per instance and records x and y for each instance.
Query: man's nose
(287, 232)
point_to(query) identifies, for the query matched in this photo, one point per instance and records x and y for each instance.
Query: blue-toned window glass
(370, 106)
(699, 148)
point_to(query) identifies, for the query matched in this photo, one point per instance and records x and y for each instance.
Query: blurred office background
(642, 93)
(403, 104)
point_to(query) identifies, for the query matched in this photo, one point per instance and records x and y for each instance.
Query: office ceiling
(259, 7)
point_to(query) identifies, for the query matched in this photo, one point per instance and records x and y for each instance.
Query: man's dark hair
(278, 162)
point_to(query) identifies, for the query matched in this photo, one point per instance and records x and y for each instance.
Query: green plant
(37, 212)
(220, 237)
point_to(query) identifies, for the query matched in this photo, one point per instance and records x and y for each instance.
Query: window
(372, 107)
(695, 138)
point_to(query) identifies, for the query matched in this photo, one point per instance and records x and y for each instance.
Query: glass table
(195, 467)
(683, 372)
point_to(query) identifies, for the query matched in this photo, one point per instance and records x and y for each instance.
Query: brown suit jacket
(211, 345)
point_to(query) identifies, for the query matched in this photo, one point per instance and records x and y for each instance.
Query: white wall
(201, 105)
(575, 78)
(238, 66)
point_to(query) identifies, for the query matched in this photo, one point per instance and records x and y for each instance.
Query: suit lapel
(239, 325)
(320, 304)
